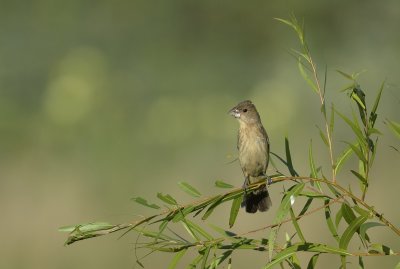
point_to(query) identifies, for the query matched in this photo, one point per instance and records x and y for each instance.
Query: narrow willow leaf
(211, 208)
(221, 184)
(140, 264)
(329, 222)
(235, 210)
(205, 257)
(354, 126)
(313, 262)
(381, 249)
(311, 162)
(87, 227)
(281, 213)
(296, 225)
(363, 181)
(186, 187)
(342, 159)
(358, 152)
(338, 218)
(307, 247)
(189, 230)
(306, 206)
(311, 194)
(177, 258)
(167, 198)
(222, 232)
(286, 22)
(359, 97)
(323, 137)
(220, 259)
(162, 227)
(332, 121)
(348, 213)
(362, 211)
(281, 256)
(368, 225)
(350, 230)
(395, 127)
(305, 76)
(289, 159)
(360, 263)
(350, 77)
(144, 202)
(333, 190)
(373, 115)
(294, 261)
(196, 260)
(323, 110)
(182, 213)
(199, 230)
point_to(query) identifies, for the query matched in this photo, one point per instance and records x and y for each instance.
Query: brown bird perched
(253, 146)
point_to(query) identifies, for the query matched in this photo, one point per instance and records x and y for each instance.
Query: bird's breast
(253, 151)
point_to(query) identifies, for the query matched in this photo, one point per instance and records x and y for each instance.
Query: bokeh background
(101, 101)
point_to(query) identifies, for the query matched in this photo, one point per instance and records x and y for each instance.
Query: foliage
(349, 220)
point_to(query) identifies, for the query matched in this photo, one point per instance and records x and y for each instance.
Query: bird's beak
(234, 112)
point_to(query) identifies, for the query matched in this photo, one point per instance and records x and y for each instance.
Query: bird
(253, 147)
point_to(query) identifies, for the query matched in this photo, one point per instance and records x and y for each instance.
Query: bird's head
(245, 112)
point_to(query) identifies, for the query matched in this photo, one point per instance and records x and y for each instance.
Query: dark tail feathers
(257, 200)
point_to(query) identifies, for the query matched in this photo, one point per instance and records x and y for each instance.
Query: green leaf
(193, 264)
(282, 212)
(381, 249)
(373, 115)
(365, 226)
(358, 152)
(363, 181)
(177, 258)
(166, 198)
(338, 218)
(350, 230)
(199, 230)
(323, 137)
(350, 77)
(307, 247)
(205, 257)
(218, 200)
(311, 162)
(296, 225)
(329, 222)
(360, 263)
(395, 127)
(342, 159)
(354, 126)
(313, 261)
(332, 121)
(235, 210)
(187, 225)
(144, 202)
(221, 184)
(348, 213)
(289, 159)
(222, 232)
(189, 189)
(305, 75)
(87, 227)
(306, 206)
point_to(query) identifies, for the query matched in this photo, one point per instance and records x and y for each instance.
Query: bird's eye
(245, 110)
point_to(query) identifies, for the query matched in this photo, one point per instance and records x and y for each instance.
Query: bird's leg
(246, 182)
(269, 180)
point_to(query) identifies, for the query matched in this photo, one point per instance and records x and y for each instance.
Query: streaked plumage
(253, 146)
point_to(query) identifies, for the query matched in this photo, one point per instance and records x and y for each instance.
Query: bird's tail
(257, 200)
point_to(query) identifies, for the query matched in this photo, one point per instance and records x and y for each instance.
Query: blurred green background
(101, 101)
